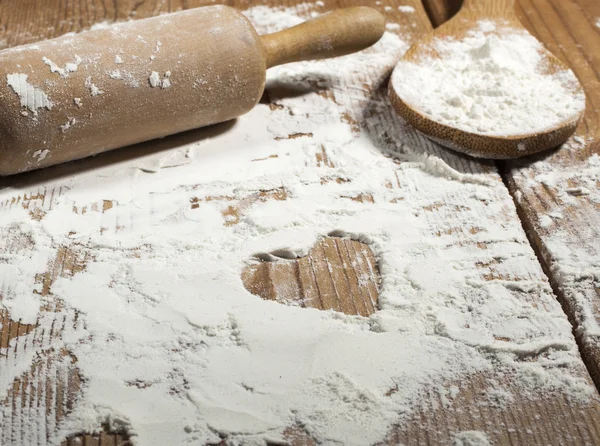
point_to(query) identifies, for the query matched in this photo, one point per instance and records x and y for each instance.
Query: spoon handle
(489, 7)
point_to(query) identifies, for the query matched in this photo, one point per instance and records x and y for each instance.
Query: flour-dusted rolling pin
(79, 95)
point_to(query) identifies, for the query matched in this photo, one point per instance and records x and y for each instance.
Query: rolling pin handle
(333, 34)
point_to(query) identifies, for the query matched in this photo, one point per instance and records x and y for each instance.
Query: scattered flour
(31, 97)
(471, 438)
(575, 266)
(41, 154)
(94, 90)
(77, 102)
(70, 67)
(545, 221)
(115, 74)
(70, 123)
(493, 82)
(406, 9)
(156, 81)
(118, 59)
(130, 78)
(101, 25)
(172, 347)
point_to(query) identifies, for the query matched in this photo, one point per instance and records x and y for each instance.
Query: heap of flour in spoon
(495, 81)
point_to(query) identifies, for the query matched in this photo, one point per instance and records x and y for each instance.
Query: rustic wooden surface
(337, 274)
(521, 422)
(568, 28)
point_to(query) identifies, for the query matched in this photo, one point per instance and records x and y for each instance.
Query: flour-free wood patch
(337, 274)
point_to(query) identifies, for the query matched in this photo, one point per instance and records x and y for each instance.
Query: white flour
(94, 90)
(41, 154)
(115, 74)
(172, 347)
(156, 80)
(492, 82)
(575, 266)
(471, 438)
(70, 67)
(30, 96)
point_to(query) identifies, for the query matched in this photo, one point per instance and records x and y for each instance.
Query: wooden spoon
(502, 13)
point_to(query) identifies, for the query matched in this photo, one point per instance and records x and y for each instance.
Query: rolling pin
(83, 94)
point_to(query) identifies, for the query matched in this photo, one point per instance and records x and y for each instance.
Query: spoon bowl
(501, 145)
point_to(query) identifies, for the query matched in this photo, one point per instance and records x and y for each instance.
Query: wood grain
(568, 29)
(450, 223)
(346, 30)
(186, 97)
(337, 274)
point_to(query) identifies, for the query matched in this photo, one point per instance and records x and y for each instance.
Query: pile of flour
(493, 82)
(170, 345)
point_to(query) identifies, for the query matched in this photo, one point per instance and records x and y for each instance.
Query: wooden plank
(524, 421)
(569, 246)
(47, 392)
(337, 274)
(447, 220)
(548, 184)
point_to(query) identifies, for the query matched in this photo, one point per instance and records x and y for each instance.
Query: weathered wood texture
(569, 247)
(337, 274)
(546, 187)
(522, 421)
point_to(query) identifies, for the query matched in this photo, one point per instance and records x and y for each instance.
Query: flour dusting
(575, 265)
(173, 349)
(66, 126)
(94, 90)
(70, 67)
(115, 74)
(41, 154)
(492, 82)
(157, 81)
(31, 97)
(471, 438)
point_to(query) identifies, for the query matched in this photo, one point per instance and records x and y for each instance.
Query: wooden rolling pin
(80, 95)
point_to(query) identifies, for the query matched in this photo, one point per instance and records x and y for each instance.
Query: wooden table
(568, 28)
